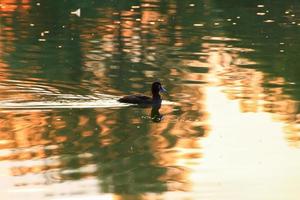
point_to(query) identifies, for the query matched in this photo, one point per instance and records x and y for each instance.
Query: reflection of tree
(255, 90)
(131, 170)
(270, 38)
(112, 47)
(128, 158)
(142, 161)
(50, 46)
(133, 42)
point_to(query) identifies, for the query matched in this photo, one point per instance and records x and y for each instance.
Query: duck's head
(156, 88)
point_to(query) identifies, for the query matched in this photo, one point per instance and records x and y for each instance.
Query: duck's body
(136, 99)
(145, 100)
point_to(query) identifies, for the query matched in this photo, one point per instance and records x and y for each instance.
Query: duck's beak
(162, 89)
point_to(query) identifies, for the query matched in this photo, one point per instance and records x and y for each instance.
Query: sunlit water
(229, 127)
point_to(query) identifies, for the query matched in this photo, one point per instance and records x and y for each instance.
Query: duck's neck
(156, 96)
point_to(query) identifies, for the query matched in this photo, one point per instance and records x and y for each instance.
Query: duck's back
(136, 99)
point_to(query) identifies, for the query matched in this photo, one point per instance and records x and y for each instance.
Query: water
(229, 128)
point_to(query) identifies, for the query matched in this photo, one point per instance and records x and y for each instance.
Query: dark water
(228, 130)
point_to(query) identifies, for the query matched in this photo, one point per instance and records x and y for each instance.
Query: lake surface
(228, 130)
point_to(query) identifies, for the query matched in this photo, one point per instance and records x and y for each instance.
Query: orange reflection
(255, 91)
(242, 147)
(119, 148)
(13, 5)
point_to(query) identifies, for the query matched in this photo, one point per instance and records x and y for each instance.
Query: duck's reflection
(155, 114)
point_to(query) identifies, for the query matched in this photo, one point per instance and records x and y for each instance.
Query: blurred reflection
(72, 145)
(255, 90)
(119, 48)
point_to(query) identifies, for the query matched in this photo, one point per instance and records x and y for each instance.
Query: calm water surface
(229, 131)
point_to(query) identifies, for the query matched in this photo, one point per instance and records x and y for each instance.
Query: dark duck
(146, 100)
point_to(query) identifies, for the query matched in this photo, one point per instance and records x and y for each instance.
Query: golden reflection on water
(222, 140)
(29, 153)
(245, 151)
(254, 90)
(13, 5)
(244, 154)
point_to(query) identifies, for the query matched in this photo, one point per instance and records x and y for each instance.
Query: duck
(140, 99)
